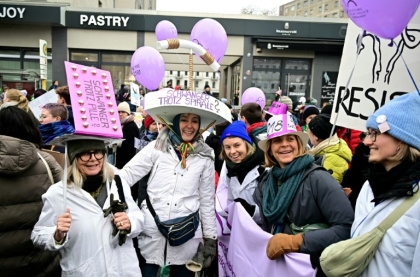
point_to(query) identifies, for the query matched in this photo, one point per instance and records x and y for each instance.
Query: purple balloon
(254, 94)
(165, 30)
(148, 67)
(211, 35)
(383, 18)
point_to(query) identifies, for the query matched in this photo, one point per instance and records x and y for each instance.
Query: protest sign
(37, 104)
(238, 255)
(329, 82)
(167, 103)
(135, 94)
(379, 74)
(93, 101)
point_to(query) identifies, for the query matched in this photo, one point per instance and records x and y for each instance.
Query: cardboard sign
(379, 75)
(135, 94)
(92, 96)
(37, 104)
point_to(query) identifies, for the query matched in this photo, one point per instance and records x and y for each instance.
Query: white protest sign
(135, 94)
(379, 75)
(167, 103)
(37, 104)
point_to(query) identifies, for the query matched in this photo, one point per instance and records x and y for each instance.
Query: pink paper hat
(281, 125)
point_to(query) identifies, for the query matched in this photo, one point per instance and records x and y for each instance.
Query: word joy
(12, 12)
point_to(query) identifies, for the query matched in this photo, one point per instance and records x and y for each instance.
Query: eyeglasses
(86, 156)
(372, 134)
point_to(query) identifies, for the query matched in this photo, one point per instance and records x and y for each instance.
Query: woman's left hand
(122, 221)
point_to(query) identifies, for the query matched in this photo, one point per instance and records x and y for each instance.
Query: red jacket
(352, 137)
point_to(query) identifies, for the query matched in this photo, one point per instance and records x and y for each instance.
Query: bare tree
(253, 10)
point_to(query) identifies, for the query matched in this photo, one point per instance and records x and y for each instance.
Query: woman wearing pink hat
(301, 204)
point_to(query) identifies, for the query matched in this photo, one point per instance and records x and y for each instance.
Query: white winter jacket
(244, 190)
(399, 251)
(89, 248)
(174, 192)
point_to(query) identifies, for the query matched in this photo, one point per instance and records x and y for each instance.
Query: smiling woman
(295, 193)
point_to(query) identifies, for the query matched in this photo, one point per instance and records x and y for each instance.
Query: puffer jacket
(23, 180)
(337, 158)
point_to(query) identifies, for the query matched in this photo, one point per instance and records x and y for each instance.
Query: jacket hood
(337, 147)
(16, 155)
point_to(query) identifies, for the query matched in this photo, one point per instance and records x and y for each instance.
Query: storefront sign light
(11, 12)
(104, 20)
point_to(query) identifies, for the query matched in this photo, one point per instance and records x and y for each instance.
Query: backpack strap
(117, 179)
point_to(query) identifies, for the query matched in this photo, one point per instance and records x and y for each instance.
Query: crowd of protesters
(310, 185)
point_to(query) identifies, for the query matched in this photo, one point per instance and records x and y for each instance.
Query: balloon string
(409, 73)
(339, 101)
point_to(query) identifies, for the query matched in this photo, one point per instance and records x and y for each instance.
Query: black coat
(319, 199)
(127, 150)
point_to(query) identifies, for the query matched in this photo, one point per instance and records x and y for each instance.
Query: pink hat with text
(281, 125)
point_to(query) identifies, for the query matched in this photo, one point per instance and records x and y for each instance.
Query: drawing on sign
(385, 64)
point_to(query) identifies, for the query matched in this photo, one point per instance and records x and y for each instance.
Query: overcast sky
(216, 6)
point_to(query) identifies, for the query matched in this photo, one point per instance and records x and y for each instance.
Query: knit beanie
(75, 147)
(124, 107)
(309, 110)
(400, 114)
(286, 100)
(327, 109)
(236, 129)
(321, 127)
(149, 120)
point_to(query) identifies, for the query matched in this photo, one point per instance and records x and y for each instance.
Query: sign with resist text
(379, 75)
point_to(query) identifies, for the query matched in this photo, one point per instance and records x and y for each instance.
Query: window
(185, 84)
(342, 14)
(196, 84)
(178, 74)
(336, 4)
(326, 7)
(213, 84)
(335, 15)
(286, 10)
(207, 83)
(320, 9)
(312, 11)
(207, 74)
(198, 73)
(292, 8)
(305, 3)
(178, 82)
(306, 13)
(312, 1)
(298, 5)
(186, 73)
(170, 72)
(214, 75)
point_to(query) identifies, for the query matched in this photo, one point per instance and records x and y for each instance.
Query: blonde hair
(406, 152)
(249, 150)
(270, 161)
(73, 171)
(17, 96)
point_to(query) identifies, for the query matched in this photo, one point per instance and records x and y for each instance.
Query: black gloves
(210, 251)
(250, 209)
(196, 263)
(117, 206)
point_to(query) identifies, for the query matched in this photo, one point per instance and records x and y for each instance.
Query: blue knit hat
(236, 129)
(401, 115)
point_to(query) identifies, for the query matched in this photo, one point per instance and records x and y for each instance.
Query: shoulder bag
(178, 230)
(350, 257)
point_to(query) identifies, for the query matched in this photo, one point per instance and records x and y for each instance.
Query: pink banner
(93, 102)
(242, 245)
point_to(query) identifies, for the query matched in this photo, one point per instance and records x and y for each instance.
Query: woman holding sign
(94, 234)
(301, 203)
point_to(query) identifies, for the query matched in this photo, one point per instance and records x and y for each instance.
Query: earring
(398, 148)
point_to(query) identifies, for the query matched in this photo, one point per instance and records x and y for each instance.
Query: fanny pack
(350, 257)
(178, 230)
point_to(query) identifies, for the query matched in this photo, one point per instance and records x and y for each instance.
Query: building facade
(267, 52)
(313, 8)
